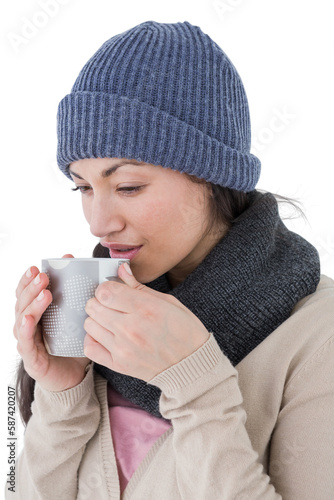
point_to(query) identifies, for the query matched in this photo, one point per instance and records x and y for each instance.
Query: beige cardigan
(285, 449)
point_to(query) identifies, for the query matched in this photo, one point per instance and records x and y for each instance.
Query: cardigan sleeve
(302, 446)
(213, 453)
(54, 442)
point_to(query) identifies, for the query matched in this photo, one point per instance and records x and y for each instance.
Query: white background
(283, 51)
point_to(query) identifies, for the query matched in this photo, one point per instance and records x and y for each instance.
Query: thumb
(68, 256)
(125, 273)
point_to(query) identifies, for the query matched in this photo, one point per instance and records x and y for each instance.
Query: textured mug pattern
(72, 283)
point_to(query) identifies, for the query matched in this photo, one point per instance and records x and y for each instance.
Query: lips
(121, 251)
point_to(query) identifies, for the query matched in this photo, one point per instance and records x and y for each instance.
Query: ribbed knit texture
(189, 369)
(242, 291)
(164, 94)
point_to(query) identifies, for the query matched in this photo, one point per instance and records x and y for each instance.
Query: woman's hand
(138, 331)
(51, 372)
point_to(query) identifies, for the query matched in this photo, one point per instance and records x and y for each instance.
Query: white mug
(72, 283)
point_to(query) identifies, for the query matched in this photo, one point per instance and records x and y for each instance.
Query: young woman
(210, 368)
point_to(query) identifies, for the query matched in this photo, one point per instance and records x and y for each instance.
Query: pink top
(133, 432)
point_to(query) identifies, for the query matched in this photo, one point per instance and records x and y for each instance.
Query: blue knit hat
(164, 94)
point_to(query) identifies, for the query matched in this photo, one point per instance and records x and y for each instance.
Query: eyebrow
(109, 171)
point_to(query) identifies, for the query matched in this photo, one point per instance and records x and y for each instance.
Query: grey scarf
(242, 291)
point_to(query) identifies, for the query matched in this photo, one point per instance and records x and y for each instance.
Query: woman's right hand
(53, 373)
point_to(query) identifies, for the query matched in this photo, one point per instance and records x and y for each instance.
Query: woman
(209, 370)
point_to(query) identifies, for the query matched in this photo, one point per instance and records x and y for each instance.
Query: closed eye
(122, 189)
(129, 189)
(82, 189)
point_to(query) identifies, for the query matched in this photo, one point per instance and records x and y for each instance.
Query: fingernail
(29, 273)
(24, 320)
(40, 296)
(127, 268)
(37, 279)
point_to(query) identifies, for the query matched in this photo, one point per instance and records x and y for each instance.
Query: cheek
(153, 214)
(190, 214)
(183, 224)
(86, 209)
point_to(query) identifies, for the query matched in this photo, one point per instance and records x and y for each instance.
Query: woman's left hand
(138, 331)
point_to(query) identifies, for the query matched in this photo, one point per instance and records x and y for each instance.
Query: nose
(105, 217)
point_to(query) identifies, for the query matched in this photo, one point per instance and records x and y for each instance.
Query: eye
(82, 189)
(129, 189)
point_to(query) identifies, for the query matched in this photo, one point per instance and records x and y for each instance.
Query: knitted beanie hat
(164, 94)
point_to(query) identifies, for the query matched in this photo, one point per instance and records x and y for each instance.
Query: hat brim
(100, 125)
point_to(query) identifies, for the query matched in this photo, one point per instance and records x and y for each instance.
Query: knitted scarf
(242, 291)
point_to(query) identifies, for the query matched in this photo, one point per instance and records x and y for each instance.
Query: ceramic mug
(72, 284)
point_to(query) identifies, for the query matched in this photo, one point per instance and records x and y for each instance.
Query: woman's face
(153, 215)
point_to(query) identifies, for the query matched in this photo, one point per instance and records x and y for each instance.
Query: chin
(144, 276)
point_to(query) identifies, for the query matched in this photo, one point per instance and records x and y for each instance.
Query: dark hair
(25, 387)
(226, 206)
